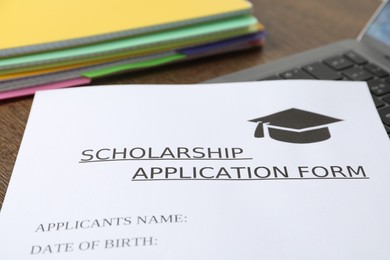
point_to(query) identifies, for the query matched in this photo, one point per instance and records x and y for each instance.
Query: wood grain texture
(292, 26)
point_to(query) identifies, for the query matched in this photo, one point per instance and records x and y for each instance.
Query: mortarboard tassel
(259, 133)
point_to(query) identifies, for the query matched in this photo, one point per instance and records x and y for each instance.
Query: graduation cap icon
(295, 126)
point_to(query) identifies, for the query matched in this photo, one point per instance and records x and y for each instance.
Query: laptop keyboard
(348, 66)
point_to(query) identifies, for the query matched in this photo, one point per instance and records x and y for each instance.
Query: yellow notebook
(37, 25)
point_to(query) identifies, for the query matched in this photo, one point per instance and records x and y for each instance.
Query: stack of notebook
(49, 44)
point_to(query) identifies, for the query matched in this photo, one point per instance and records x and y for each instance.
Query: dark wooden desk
(292, 26)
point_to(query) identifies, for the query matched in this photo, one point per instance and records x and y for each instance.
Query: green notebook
(131, 43)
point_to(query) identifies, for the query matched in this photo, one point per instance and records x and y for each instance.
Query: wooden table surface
(292, 26)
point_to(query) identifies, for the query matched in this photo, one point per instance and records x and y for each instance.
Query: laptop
(365, 59)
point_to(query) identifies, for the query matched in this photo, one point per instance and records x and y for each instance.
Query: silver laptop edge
(372, 19)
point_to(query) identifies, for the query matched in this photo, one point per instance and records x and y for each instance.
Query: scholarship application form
(261, 170)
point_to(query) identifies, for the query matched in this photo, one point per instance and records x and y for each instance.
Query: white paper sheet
(176, 172)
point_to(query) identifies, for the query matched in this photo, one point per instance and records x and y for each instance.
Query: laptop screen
(380, 28)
